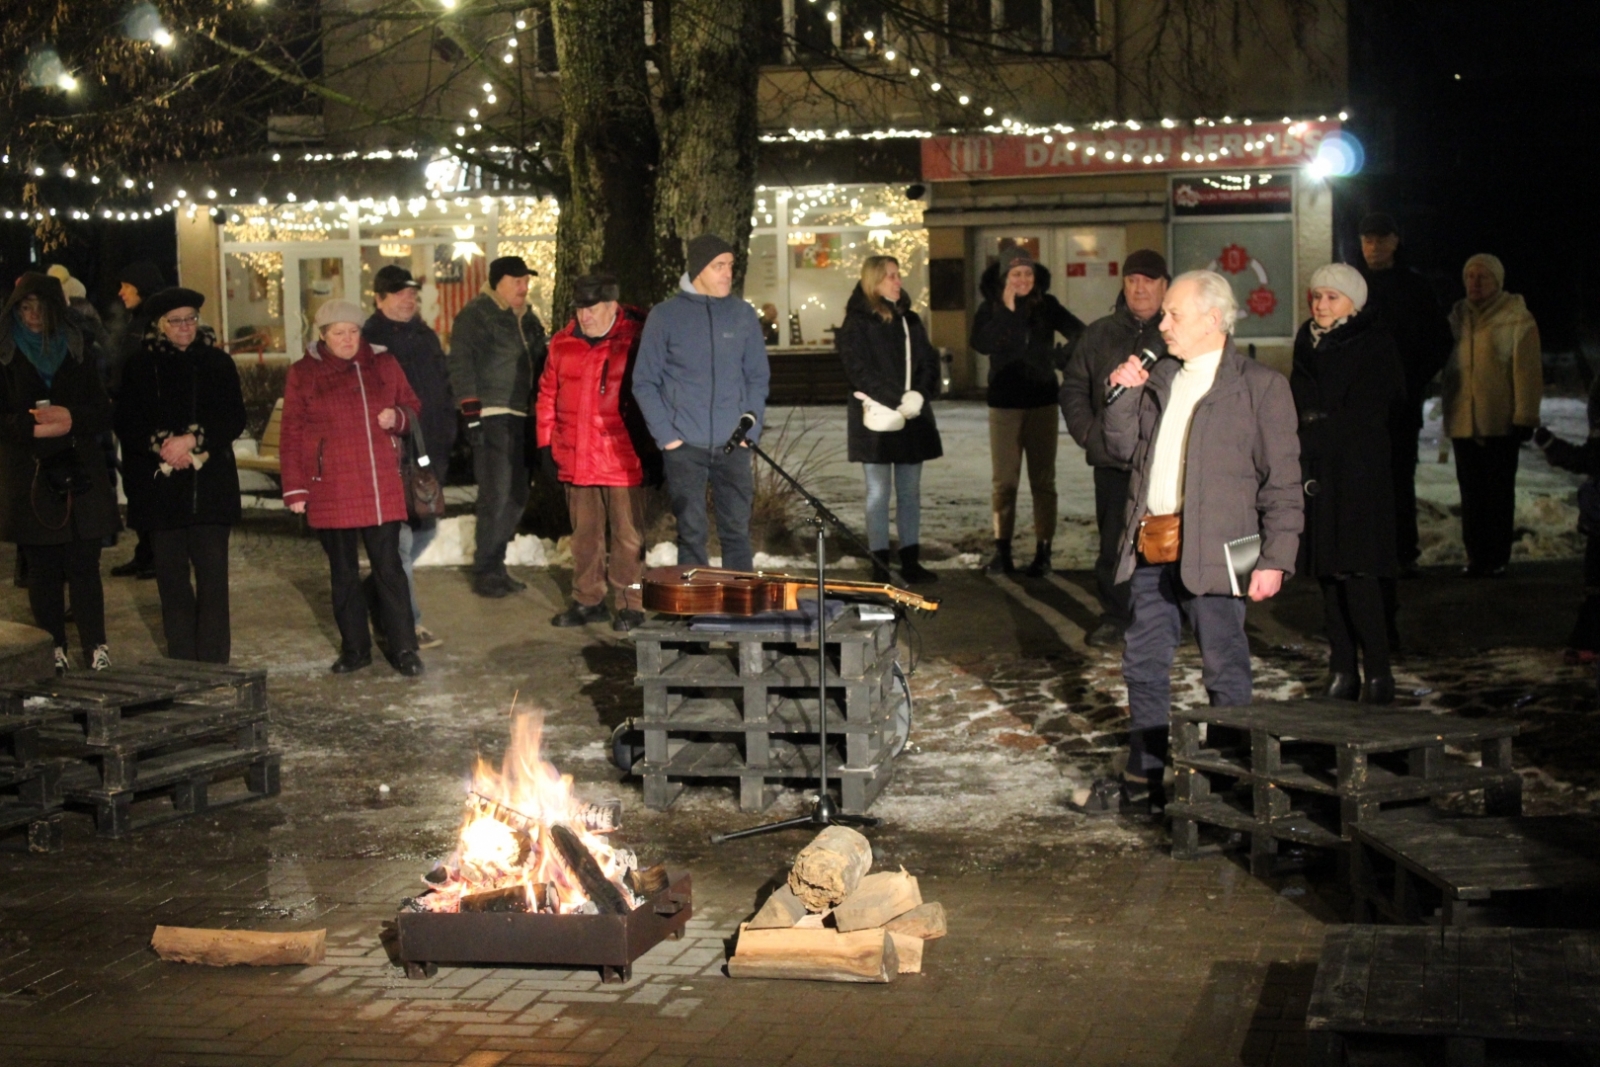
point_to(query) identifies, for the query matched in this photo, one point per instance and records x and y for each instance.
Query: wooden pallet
(184, 778)
(1311, 771)
(743, 705)
(30, 786)
(1459, 988)
(1409, 862)
(106, 704)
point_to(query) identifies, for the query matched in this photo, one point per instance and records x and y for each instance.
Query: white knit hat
(1343, 278)
(338, 311)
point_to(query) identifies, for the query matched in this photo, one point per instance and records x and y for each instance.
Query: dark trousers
(1585, 634)
(194, 613)
(388, 582)
(500, 463)
(1110, 500)
(1160, 604)
(1353, 613)
(689, 470)
(1486, 470)
(51, 568)
(1403, 470)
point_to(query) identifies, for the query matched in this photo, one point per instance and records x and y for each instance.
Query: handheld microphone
(1147, 359)
(747, 422)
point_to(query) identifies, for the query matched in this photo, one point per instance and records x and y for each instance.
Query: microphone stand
(824, 812)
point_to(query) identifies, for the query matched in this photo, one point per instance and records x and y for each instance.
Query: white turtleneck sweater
(1164, 493)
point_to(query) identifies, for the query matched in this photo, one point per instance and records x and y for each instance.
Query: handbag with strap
(1160, 538)
(881, 418)
(424, 494)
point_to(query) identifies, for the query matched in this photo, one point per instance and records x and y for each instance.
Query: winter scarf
(1319, 332)
(45, 353)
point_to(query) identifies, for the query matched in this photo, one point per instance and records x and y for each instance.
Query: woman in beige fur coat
(1492, 388)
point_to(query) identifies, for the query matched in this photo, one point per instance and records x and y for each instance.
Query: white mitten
(879, 418)
(910, 405)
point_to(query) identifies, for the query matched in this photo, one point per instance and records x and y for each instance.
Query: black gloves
(1523, 434)
(547, 465)
(1542, 437)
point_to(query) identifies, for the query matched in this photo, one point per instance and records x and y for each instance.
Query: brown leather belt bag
(1160, 538)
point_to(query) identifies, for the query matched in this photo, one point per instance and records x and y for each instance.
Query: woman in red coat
(345, 408)
(589, 431)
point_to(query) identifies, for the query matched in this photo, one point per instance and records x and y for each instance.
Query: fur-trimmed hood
(991, 284)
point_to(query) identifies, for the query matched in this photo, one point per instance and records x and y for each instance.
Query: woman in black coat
(178, 414)
(1346, 381)
(56, 502)
(1583, 644)
(895, 374)
(1016, 327)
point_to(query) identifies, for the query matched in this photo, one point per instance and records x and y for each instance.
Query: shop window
(809, 31)
(1065, 27)
(254, 297)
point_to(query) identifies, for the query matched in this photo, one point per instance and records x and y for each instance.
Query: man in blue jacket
(702, 365)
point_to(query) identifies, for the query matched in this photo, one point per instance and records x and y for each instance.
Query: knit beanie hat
(1015, 256)
(1489, 263)
(1343, 278)
(144, 276)
(338, 311)
(700, 251)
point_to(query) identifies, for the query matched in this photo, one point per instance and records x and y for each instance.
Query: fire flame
(505, 839)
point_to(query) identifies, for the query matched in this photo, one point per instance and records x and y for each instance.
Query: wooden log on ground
(606, 896)
(908, 949)
(815, 955)
(780, 912)
(879, 898)
(229, 948)
(830, 867)
(925, 921)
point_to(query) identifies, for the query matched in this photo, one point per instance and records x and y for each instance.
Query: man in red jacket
(589, 432)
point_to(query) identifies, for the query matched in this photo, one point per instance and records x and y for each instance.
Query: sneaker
(578, 615)
(426, 638)
(101, 660)
(63, 664)
(627, 619)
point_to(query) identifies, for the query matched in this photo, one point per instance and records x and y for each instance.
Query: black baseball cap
(392, 279)
(509, 267)
(1378, 224)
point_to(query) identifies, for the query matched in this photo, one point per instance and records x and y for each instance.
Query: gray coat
(1104, 346)
(1243, 468)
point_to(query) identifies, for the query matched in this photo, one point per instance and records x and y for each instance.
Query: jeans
(1013, 434)
(908, 503)
(1110, 501)
(53, 567)
(500, 463)
(414, 541)
(389, 582)
(194, 614)
(1160, 604)
(689, 470)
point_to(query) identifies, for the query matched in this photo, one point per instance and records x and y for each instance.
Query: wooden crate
(1310, 771)
(1393, 985)
(743, 705)
(1407, 863)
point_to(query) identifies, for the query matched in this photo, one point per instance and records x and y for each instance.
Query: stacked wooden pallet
(163, 730)
(30, 787)
(1312, 771)
(743, 705)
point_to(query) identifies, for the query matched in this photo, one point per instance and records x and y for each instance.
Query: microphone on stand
(1147, 359)
(747, 422)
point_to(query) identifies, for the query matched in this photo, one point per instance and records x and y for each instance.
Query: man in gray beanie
(702, 367)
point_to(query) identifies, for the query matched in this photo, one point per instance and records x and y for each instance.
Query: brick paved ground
(1071, 941)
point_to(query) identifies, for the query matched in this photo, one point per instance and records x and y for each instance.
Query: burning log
(829, 869)
(519, 897)
(229, 948)
(600, 889)
(648, 882)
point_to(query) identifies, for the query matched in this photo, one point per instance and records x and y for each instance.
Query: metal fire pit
(609, 942)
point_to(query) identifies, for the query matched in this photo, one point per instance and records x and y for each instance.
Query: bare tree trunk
(709, 129)
(610, 148)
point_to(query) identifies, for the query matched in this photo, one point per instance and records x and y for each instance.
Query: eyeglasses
(190, 321)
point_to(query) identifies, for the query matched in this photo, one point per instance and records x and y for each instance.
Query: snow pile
(455, 543)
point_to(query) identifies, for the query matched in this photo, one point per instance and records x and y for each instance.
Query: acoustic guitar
(709, 591)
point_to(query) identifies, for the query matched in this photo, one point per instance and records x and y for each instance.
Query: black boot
(1379, 690)
(911, 570)
(880, 565)
(1001, 563)
(1342, 686)
(1041, 560)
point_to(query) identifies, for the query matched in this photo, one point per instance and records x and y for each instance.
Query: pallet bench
(30, 787)
(742, 704)
(1382, 988)
(165, 728)
(1311, 771)
(1404, 864)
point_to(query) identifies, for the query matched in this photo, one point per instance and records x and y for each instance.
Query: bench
(266, 460)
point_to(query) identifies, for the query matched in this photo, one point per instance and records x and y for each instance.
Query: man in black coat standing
(139, 281)
(412, 342)
(1403, 301)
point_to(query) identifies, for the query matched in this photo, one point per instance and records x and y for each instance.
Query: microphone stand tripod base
(824, 813)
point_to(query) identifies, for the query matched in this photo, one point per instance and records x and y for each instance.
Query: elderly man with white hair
(1210, 439)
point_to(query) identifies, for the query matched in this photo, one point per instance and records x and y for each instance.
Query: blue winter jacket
(702, 363)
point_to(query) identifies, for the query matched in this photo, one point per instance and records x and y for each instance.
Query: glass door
(1087, 269)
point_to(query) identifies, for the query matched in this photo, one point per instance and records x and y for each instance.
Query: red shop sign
(1119, 150)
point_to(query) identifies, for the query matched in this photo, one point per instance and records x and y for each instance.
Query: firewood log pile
(834, 922)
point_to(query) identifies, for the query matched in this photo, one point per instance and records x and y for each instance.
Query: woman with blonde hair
(895, 374)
